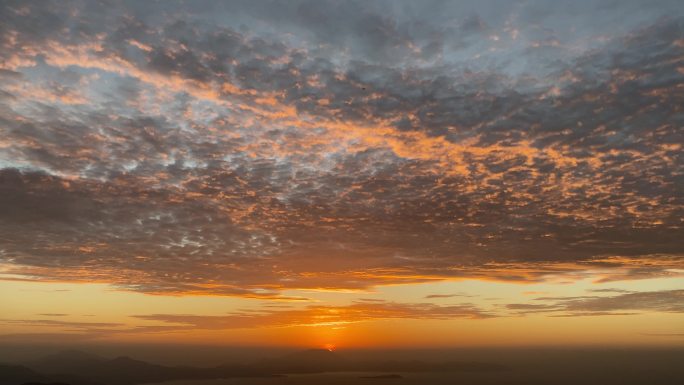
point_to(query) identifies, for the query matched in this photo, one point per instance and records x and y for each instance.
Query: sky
(342, 174)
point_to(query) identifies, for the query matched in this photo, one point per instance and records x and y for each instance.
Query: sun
(329, 347)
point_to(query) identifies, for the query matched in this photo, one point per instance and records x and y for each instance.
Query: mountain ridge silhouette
(74, 367)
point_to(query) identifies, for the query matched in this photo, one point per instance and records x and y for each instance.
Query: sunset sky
(342, 174)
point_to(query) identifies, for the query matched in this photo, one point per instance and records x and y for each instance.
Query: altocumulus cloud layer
(244, 148)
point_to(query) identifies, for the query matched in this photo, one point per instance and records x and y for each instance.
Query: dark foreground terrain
(79, 368)
(317, 366)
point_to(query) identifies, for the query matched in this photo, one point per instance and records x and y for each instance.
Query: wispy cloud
(435, 296)
(669, 301)
(268, 316)
(317, 316)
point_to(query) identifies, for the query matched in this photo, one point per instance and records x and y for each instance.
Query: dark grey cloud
(245, 148)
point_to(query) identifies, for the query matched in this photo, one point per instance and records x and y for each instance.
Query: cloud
(668, 301)
(196, 153)
(609, 291)
(429, 296)
(361, 311)
(41, 338)
(68, 326)
(268, 316)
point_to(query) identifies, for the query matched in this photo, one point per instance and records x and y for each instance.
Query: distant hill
(16, 374)
(307, 361)
(22, 375)
(383, 377)
(67, 361)
(322, 360)
(79, 368)
(43, 383)
(421, 366)
(86, 369)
